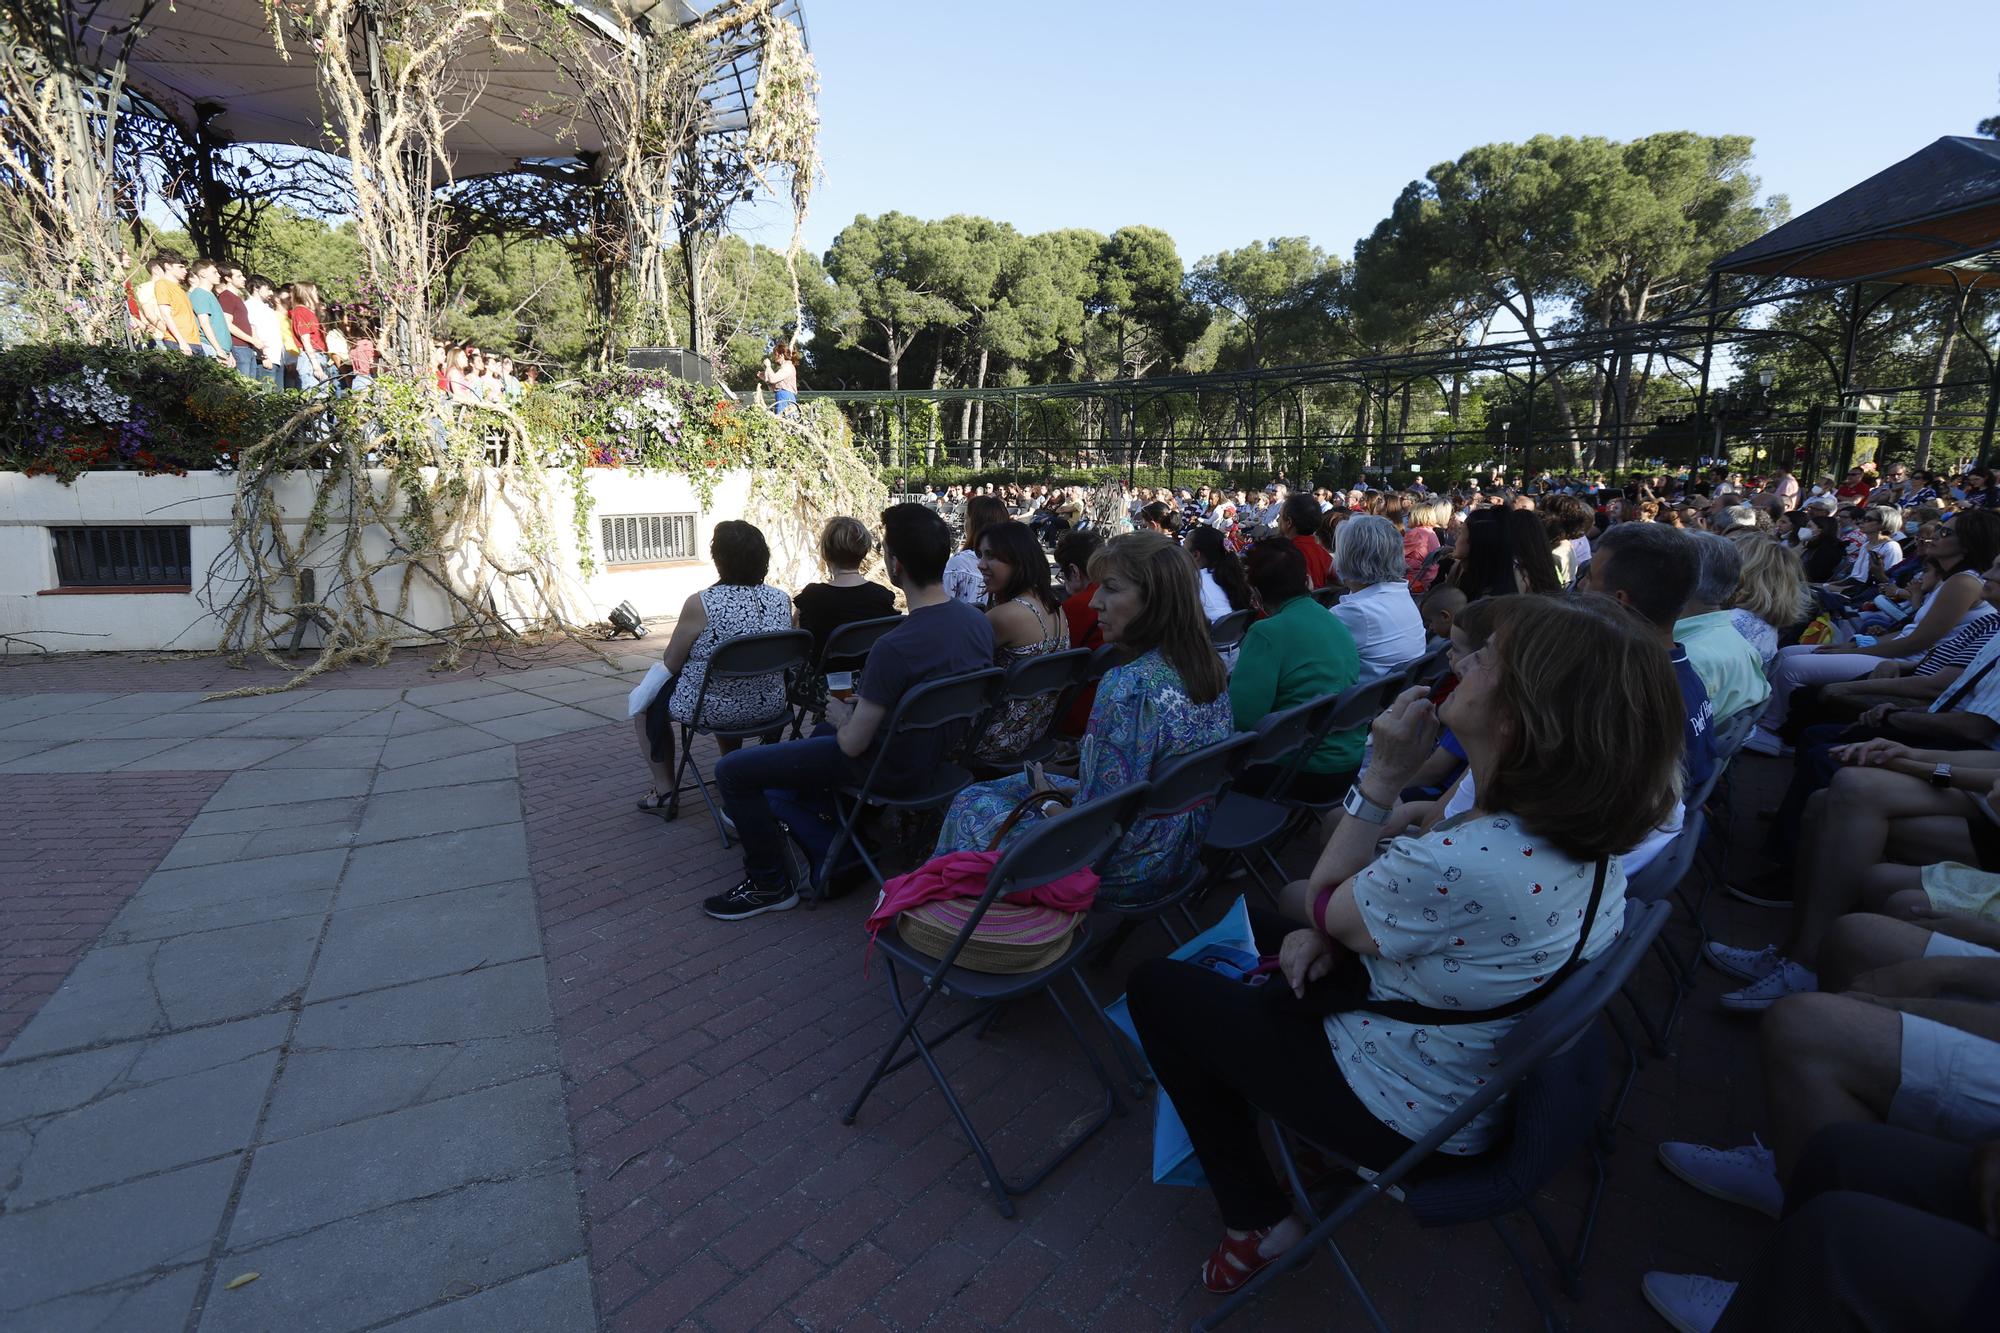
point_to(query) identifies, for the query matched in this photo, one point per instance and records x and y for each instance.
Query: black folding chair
(1551, 1066)
(846, 649)
(1228, 631)
(750, 657)
(1429, 669)
(1358, 706)
(1328, 595)
(1055, 674)
(1243, 824)
(1656, 883)
(934, 706)
(1047, 850)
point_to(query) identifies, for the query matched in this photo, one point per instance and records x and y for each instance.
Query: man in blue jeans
(939, 637)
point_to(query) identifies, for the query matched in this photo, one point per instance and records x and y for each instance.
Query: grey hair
(1721, 567)
(1735, 516)
(1368, 550)
(1889, 517)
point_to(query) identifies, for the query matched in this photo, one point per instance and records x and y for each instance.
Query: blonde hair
(1169, 589)
(844, 543)
(1772, 584)
(1432, 513)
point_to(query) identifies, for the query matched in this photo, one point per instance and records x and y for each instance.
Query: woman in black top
(1824, 552)
(846, 596)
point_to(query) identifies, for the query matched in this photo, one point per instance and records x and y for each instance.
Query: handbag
(1012, 937)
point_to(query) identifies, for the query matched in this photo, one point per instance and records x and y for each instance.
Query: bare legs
(661, 769)
(1828, 1059)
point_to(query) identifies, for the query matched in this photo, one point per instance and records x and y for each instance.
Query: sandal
(660, 807)
(1234, 1262)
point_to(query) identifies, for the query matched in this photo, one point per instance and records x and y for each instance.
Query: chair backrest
(1104, 657)
(1197, 777)
(1556, 1021)
(1358, 704)
(1428, 669)
(1732, 731)
(1285, 732)
(1051, 848)
(854, 639)
(1229, 630)
(1049, 673)
(760, 654)
(1328, 595)
(1661, 875)
(945, 701)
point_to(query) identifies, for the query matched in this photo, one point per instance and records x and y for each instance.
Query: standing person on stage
(781, 372)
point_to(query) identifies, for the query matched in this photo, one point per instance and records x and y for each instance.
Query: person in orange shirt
(164, 303)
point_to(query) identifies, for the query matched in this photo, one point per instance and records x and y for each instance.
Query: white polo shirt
(1385, 622)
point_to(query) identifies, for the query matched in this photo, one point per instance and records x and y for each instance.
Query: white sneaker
(1764, 742)
(1745, 964)
(1746, 1176)
(1788, 978)
(1690, 1302)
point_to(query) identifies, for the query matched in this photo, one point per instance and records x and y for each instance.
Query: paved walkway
(382, 992)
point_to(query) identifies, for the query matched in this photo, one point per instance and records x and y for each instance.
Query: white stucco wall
(65, 622)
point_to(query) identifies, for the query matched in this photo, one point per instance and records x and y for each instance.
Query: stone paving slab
(393, 815)
(246, 790)
(103, 756)
(220, 752)
(429, 746)
(388, 944)
(542, 722)
(495, 765)
(459, 860)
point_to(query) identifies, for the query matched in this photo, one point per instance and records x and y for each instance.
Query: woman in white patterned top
(962, 578)
(739, 602)
(1572, 719)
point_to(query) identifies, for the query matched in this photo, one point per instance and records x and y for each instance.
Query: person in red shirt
(1298, 523)
(1073, 554)
(313, 366)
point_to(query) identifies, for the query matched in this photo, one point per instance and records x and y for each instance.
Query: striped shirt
(1958, 647)
(1977, 689)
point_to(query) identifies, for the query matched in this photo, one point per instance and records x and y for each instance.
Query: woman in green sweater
(1298, 651)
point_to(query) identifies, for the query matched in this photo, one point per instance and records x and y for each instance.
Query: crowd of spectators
(1611, 651)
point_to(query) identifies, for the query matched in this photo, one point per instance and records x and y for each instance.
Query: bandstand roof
(1932, 218)
(220, 54)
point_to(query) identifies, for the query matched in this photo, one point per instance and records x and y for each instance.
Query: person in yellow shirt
(163, 302)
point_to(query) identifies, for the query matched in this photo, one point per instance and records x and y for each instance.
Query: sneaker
(1690, 1302)
(1765, 742)
(1788, 978)
(1744, 964)
(748, 899)
(1746, 1176)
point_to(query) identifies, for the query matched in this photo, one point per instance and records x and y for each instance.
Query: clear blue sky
(1229, 122)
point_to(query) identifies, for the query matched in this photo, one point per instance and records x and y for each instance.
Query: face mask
(1808, 532)
(1815, 490)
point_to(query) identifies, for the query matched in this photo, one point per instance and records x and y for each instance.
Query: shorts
(1950, 1085)
(1950, 946)
(1953, 887)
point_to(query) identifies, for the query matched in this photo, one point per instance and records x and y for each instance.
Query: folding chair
(1328, 595)
(1660, 879)
(846, 649)
(933, 706)
(1551, 1067)
(1243, 823)
(1228, 631)
(1428, 669)
(1100, 660)
(1032, 678)
(749, 657)
(1359, 705)
(1048, 850)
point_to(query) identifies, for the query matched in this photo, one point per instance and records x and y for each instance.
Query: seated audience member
(1027, 622)
(1652, 569)
(1223, 586)
(1770, 596)
(1891, 798)
(1440, 608)
(941, 636)
(1299, 520)
(1500, 553)
(1422, 546)
(1876, 548)
(1882, 1228)
(1297, 652)
(1073, 555)
(1820, 543)
(1569, 520)
(1377, 610)
(1963, 551)
(1727, 663)
(1559, 787)
(1160, 516)
(1169, 698)
(739, 602)
(846, 596)
(961, 575)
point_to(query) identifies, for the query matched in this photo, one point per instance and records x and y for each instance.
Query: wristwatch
(1941, 776)
(1362, 808)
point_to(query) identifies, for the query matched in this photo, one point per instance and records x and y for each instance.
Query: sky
(1225, 123)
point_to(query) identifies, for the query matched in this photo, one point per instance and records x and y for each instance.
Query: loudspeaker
(676, 361)
(625, 620)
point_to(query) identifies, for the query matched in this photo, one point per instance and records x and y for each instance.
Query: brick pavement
(706, 1066)
(73, 849)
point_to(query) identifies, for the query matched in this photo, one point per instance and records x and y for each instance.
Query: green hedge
(943, 475)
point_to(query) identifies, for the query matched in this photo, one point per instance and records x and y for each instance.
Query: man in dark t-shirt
(940, 637)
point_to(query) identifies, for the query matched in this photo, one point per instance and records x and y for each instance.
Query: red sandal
(1234, 1262)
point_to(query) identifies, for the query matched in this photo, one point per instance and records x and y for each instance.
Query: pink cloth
(963, 875)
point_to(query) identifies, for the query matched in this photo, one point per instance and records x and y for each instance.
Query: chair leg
(1551, 1323)
(1566, 1265)
(1632, 1066)
(1142, 1077)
